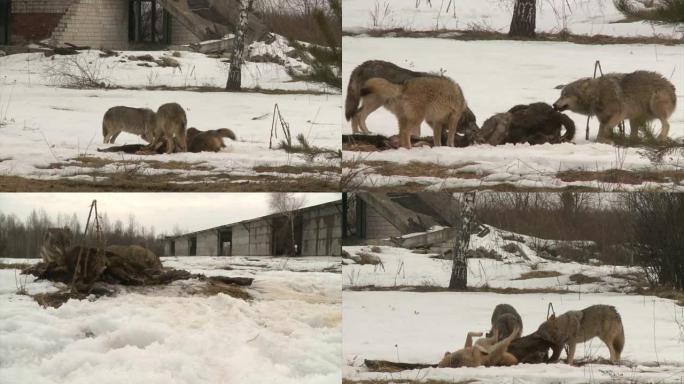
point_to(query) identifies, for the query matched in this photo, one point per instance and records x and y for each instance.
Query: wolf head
(575, 96)
(55, 244)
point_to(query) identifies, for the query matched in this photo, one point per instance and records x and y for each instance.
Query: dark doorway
(173, 248)
(148, 23)
(225, 245)
(353, 218)
(5, 11)
(192, 246)
(281, 236)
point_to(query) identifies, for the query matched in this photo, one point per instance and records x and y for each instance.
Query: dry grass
(213, 288)
(419, 169)
(297, 170)
(620, 176)
(579, 278)
(399, 381)
(14, 265)
(98, 162)
(538, 275)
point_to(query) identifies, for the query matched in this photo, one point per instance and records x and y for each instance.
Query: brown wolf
(138, 121)
(437, 100)
(505, 319)
(535, 123)
(208, 141)
(530, 349)
(486, 351)
(570, 328)
(394, 74)
(639, 96)
(55, 244)
(170, 128)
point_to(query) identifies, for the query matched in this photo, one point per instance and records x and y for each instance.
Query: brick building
(118, 24)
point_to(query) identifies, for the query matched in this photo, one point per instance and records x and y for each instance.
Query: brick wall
(34, 20)
(96, 23)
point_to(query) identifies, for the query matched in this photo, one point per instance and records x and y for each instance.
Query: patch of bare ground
(621, 176)
(14, 265)
(56, 299)
(98, 162)
(538, 275)
(663, 292)
(400, 381)
(214, 288)
(206, 89)
(297, 170)
(430, 288)
(580, 278)
(138, 182)
(480, 34)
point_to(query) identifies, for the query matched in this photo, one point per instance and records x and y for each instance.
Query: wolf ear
(552, 317)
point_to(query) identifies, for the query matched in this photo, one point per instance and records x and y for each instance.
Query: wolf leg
(664, 130)
(571, 351)
(453, 126)
(370, 103)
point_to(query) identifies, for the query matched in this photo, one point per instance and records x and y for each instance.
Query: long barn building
(317, 232)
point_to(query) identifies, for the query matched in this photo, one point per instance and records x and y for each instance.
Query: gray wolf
(572, 327)
(505, 319)
(138, 121)
(535, 123)
(486, 352)
(437, 100)
(639, 96)
(170, 128)
(394, 74)
(208, 141)
(531, 349)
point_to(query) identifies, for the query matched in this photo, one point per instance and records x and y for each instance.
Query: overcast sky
(189, 211)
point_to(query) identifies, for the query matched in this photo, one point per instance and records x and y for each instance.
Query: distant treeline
(23, 238)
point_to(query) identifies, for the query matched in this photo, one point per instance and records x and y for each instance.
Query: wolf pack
(165, 131)
(504, 346)
(414, 97)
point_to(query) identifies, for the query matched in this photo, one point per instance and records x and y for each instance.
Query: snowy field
(582, 17)
(495, 76)
(289, 333)
(419, 327)
(52, 133)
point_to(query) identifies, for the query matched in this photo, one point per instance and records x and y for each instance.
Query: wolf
(437, 100)
(138, 121)
(640, 96)
(208, 141)
(531, 349)
(504, 320)
(56, 242)
(486, 351)
(169, 129)
(572, 327)
(394, 74)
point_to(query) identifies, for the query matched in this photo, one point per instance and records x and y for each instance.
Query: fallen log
(242, 281)
(362, 142)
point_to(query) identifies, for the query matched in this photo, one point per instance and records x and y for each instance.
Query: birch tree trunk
(234, 74)
(459, 261)
(524, 18)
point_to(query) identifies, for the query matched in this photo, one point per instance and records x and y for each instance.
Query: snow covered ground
(290, 332)
(583, 17)
(495, 76)
(516, 255)
(44, 128)
(419, 327)
(396, 323)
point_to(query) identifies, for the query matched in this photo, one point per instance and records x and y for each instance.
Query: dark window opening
(225, 243)
(148, 23)
(192, 246)
(354, 217)
(173, 248)
(5, 11)
(281, 236)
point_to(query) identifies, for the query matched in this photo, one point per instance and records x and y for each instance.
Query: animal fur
(170, 128)
(437, 100)
(370, 103)
(639, 96)
(570, 328)
(505, 319)
(486, 352)
(208, 141)
(138, 121)
(536, 123)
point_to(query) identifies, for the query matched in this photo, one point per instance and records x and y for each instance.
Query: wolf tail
(569, 128)
(619, 342)
(225, 132)
(351, 103)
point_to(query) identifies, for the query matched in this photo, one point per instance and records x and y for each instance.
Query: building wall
(207, 243)
(182, 246)
(377, 227)
(252, 239)
(181, 35)
(96, 23)
(34, 20)
(322, 232)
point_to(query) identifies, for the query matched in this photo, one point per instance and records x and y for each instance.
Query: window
(148, 22)
(5, 9)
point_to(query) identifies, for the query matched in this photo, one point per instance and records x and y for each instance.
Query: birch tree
(235, 73)
(524, 18)
(459, 260)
